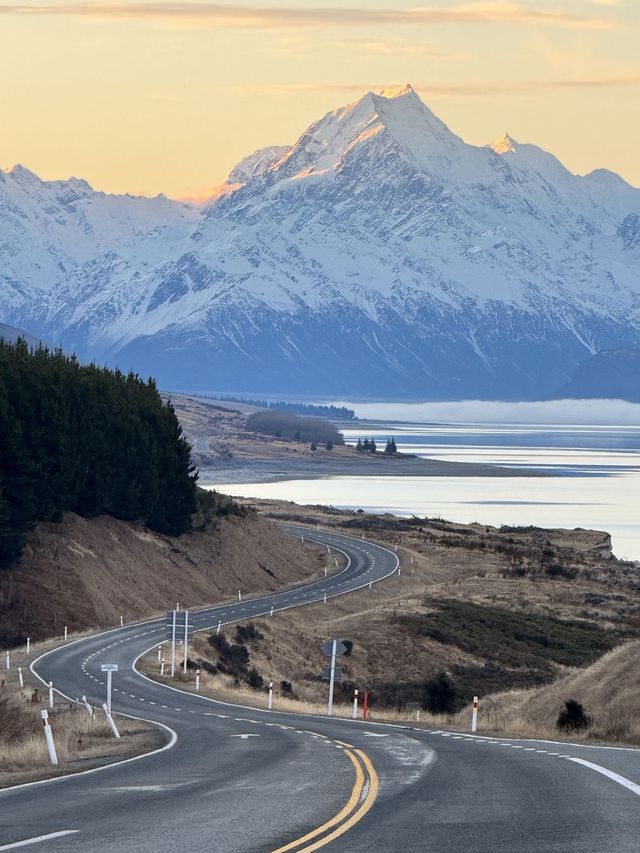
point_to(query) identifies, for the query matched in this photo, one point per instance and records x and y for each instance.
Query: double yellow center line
(363, 795)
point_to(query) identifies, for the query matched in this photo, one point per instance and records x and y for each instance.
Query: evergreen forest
(81, 438)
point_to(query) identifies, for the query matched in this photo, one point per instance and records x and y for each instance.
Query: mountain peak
(505, 145)
(391, 92)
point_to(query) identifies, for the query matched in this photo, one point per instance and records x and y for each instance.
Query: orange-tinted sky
(153, 96)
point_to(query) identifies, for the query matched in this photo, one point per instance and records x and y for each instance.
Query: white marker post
(20, 678)
(162, 667)
(328, 550)
(332, 677)
(28, 645)
(173, 644)
(51, 694)
(370, 584)
(239, 595)
(49, 737)
(271, 613)
(325, 598)
(88, 707)
(270, 695)
(110, 721)
(8, 661)
(186, 640)
(122, 621)
(160, 652)
(355, 704)
(219, 626)
(109, 668)
(197, 679)
(325, 571)
(474, 715)
(336, 559)
(66, 632)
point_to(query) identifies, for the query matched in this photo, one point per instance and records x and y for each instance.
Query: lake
(596, 467)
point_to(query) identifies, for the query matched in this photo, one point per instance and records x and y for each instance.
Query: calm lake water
(597, 482)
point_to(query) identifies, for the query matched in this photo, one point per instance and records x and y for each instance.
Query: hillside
(495, 608)
(86, 573)
(612, 373)
(378, 255)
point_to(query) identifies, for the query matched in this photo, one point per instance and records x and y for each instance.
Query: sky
(146, 96)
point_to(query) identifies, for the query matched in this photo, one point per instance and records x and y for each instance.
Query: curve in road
(239, 780)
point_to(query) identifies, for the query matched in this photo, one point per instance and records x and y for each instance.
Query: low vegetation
(509, 637)
(310, 409)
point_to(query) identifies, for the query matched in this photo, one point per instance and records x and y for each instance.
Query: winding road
(233, 779)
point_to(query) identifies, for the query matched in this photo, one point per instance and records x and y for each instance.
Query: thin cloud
(481, 88)
(246, 17)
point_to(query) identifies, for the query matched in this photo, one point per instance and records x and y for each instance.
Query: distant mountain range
(612, 373)
(379, 256)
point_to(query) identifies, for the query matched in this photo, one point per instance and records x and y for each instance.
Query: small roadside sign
(326, 673)
(327, 648)
(109, 667)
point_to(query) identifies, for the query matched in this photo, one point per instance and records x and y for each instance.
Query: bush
(573, 717)
(254, 679)
(440, 695)
(286, 687)
(248, 633)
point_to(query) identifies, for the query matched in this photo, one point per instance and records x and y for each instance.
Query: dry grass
(609, 690)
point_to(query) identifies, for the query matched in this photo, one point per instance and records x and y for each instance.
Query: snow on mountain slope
(380, 254)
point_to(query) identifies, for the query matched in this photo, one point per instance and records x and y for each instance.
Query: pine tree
(372, 446)
(359, 446)
(366, 445)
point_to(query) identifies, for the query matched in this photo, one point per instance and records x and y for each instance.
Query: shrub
(440, 694)
(248, 633)
(286, 687)
(291, 426)
(254, 679)
(573, 717)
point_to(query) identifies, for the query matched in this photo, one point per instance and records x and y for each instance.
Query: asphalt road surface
(238, 780)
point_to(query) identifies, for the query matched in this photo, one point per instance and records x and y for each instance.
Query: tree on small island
(359, 446)
(391, 446)
(329, 445)
(314, 446)
(372, 446)
(366, 447)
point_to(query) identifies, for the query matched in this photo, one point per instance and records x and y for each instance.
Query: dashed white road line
(38, 838)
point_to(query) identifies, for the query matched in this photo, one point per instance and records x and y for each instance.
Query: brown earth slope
(85, 573)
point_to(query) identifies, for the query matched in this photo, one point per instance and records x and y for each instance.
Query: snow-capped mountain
(379, 255)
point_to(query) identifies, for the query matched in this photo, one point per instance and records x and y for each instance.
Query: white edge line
(37, 838)
(615, 777)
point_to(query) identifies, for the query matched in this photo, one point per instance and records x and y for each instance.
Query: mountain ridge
(380, 254)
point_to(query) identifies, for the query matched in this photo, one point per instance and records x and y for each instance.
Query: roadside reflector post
(122, 621)
(160, 652)
(88, 707)
(110, 721)
(302, 537)
(177, 605)
(474, 715)
(66, 632)
(51, 694)
(271, 612)
(270, 695)
(220, 625)
(355, 704)
(186, 641)
(239, 595)
(395, 546)
(370, 584)
(325, 571)
(336, 561)
(363, 535)
(28, 644)
(173, 643)
(48, 736)
(332, 677)
(8, 661)
(325, 598)
(162, 667)
(197, 679)
(398, 571)
(20, 678)
(365, 706)
(328, 550)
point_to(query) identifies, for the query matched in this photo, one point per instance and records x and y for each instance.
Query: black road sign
(327, 648)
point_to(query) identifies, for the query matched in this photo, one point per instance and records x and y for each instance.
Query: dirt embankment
(85, 573)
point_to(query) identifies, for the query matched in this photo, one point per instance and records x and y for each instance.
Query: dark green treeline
(89, 440)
